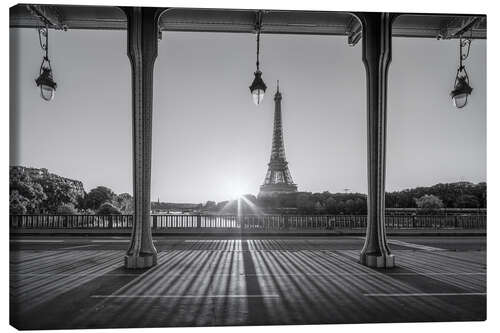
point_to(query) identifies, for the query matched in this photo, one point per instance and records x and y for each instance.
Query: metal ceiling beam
(48, 15)
(353, 31)
(465, 24)
(413, 25)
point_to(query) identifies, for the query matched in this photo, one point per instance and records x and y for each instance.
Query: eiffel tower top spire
(278, 177)
(278, 93)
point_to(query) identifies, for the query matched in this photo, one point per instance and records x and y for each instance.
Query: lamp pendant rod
(258, 26)
(258, 48)
(47, 42)
(461, 54)
(43, 36)
(464, 48)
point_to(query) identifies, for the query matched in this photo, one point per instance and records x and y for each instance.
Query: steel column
(142, 33)
(376, 41)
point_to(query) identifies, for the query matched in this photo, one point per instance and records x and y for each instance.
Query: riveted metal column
(377, 48)
(142, 34)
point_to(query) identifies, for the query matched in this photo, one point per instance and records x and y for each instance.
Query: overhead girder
(48, 15)
(243, 21)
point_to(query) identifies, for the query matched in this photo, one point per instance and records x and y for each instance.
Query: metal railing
(70, 221)
(246, 222)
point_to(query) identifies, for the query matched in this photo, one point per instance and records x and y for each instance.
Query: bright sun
(235, 190)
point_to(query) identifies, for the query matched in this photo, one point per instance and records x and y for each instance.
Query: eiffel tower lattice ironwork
(278, 177)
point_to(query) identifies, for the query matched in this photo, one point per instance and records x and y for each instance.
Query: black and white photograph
(186, 166)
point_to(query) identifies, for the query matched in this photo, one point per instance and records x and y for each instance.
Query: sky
(210, 142)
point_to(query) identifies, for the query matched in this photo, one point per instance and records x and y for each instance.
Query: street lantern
(258, 87)
(46, 84)
(45, 79)
(462, 89)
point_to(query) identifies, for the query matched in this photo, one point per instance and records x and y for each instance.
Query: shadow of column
(257, 311)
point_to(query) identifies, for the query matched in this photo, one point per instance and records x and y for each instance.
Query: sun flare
(235, 190)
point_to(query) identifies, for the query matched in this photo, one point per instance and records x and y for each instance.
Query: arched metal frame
(143, 32)
(142, 43)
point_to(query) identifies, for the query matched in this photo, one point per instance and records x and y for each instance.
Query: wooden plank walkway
(242, 282)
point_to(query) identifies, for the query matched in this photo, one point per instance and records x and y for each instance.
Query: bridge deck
(80, 282)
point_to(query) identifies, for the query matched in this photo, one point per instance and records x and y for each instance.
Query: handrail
(247, 222)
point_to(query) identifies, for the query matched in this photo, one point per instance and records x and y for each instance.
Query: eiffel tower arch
(278, 178)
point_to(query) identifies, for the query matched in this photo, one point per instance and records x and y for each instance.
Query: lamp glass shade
(47, 92)
(460, 94)
(258, 96)
(46, 84)
(460, 100)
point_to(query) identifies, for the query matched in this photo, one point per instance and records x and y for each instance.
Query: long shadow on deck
(59, 312)
(313, 286)
(257, 313)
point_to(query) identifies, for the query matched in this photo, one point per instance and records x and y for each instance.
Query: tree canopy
(98, 196)
(36, 191)
(107, 208)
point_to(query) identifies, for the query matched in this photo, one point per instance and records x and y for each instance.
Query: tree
(467, 201)
(227, 207)
(429, 203)
(304, 203)
(361, 205)
(42, 191)
(318, 207)
(448, 193)
(332, 206)
(17, 203)
(289, 200)
(210, 205)
(66, 209)
(107, 208)
(125, 203)
(250, 197)
(221, 205)
(98, 196)
(350, 206)
(58, 191)
(25, 195)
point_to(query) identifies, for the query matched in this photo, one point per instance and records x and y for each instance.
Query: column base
(140, 262)
(383, 261)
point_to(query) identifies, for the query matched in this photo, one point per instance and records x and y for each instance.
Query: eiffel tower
(278, 177)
